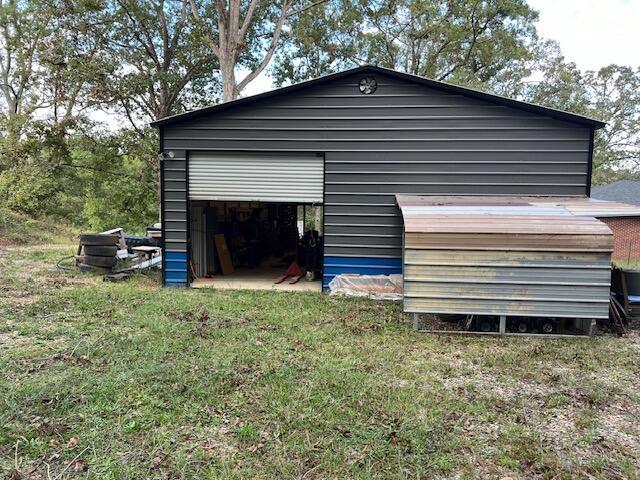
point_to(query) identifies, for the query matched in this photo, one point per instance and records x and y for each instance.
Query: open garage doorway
(253, 245)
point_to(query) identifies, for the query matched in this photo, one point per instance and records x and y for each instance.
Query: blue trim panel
(363, 265)
(175, 268)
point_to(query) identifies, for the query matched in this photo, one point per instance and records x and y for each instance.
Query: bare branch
(267, 58)
(130, 118)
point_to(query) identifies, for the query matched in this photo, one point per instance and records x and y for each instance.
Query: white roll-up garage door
(264, 177)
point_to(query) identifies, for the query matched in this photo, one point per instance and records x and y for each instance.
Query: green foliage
(611, 94)
(32, 181)
(461, 41)
(142, 60)
(18, 228)
(120, 180)
(27, 187)
(173, 65)
(488, 45)
(126, 199)
(99, 182)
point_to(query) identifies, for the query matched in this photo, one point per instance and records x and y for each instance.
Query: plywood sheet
(223, 254)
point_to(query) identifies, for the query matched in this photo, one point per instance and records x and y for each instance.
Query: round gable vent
(368, 85)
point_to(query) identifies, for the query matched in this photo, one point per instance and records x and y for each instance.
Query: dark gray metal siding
(175, 206)
(405, 138)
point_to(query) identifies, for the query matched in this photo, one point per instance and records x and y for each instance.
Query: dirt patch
(12, 339)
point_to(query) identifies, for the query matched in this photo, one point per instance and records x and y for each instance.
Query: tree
(560, 84)
(23, 28)
(611, 94)
(468, 42)
(245, 34)
(615, 97)
(160, 65)
(48, 59)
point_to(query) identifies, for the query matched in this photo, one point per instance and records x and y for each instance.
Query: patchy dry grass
(129, 380)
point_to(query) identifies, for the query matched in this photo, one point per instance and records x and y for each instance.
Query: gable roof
(446, 87)
(627, 191)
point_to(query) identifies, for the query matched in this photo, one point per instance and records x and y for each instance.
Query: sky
(591, 33)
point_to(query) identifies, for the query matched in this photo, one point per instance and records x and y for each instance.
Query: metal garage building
(351, 142)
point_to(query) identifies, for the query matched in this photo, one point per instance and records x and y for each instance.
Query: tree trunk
(228, 78)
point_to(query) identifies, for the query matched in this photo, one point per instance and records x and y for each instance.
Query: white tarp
(377, 287)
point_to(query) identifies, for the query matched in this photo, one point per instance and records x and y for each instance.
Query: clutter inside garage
(256, 245)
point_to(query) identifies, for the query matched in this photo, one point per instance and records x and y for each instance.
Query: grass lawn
(131, 381)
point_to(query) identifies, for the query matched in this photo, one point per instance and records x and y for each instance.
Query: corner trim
(590, 165)
(162, 208)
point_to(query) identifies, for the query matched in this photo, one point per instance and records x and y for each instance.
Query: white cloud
(592, 33)
(260, 84)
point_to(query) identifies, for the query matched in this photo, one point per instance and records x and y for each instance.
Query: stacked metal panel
(497, 256)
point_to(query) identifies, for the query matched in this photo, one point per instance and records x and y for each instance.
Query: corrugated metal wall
(490, 258)
(405, 138)
(527, 283)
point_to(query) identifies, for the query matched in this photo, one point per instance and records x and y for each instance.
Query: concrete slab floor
(257, 279)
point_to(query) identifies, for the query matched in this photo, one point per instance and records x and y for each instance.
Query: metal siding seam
(363, 261)
(351, 107)
(369, 255)
(504, 184)
(543, 195)
(309, 149)
(388, 117)
(359, 245)
(376, 235)
(366, 129)
(464, 162)
(378, 140)
(407, 172)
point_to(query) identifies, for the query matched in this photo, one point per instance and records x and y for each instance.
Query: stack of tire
(99, 252)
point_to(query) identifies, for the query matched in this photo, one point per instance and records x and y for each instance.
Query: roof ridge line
(436, 84)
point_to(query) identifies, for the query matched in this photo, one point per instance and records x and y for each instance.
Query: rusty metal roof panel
(592, 207)
(492, 215)
(579, 206)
